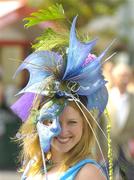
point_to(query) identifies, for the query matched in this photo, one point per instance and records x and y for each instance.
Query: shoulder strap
(72, 172)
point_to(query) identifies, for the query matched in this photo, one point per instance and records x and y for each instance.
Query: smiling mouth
(63, 140)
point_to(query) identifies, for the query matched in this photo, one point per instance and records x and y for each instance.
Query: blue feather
(77, 53)
(37, 64)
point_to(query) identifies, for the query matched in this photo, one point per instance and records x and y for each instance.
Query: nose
(56, 127)
(64, 129)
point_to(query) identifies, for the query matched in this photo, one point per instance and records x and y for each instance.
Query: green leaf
(51, 39)
(55, 12)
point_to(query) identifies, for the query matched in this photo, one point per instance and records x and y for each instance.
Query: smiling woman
(58, 134)
(66, 153)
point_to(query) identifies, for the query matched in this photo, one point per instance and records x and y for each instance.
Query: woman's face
(71, 130)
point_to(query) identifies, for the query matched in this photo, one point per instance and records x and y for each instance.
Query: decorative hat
(80, 72)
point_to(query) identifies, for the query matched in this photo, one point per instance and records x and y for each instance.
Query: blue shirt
(71, 173)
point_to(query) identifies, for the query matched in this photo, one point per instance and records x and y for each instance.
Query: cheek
(78, 131)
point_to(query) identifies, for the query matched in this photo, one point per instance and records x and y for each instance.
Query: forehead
(70, 112)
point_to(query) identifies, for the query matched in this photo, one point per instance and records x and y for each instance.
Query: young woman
(58, 132)
(70, 155)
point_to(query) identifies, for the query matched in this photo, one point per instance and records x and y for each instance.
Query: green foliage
(55, 12)
(51, 40)
(86, 9)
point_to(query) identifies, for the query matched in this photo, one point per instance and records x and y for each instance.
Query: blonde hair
(84, 147)
(31, 148)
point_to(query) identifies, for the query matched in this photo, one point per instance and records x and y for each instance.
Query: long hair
(29, 141)
(83, 149)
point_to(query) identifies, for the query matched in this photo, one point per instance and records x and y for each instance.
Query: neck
(57, 157)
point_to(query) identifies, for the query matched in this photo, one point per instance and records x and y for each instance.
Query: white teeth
(63, 140)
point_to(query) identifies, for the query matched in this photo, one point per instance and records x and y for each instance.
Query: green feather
(55, 12)
(51, 39)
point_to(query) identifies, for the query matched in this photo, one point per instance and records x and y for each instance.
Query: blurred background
(106, 19)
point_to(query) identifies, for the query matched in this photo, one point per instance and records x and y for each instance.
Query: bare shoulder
(90, 171)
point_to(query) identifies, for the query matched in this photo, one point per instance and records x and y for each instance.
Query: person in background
(120, 106)
(9, 123)
(131, 83)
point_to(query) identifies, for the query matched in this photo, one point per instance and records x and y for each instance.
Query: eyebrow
(72, 119)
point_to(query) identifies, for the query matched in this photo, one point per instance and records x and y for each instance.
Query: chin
(63, 148)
